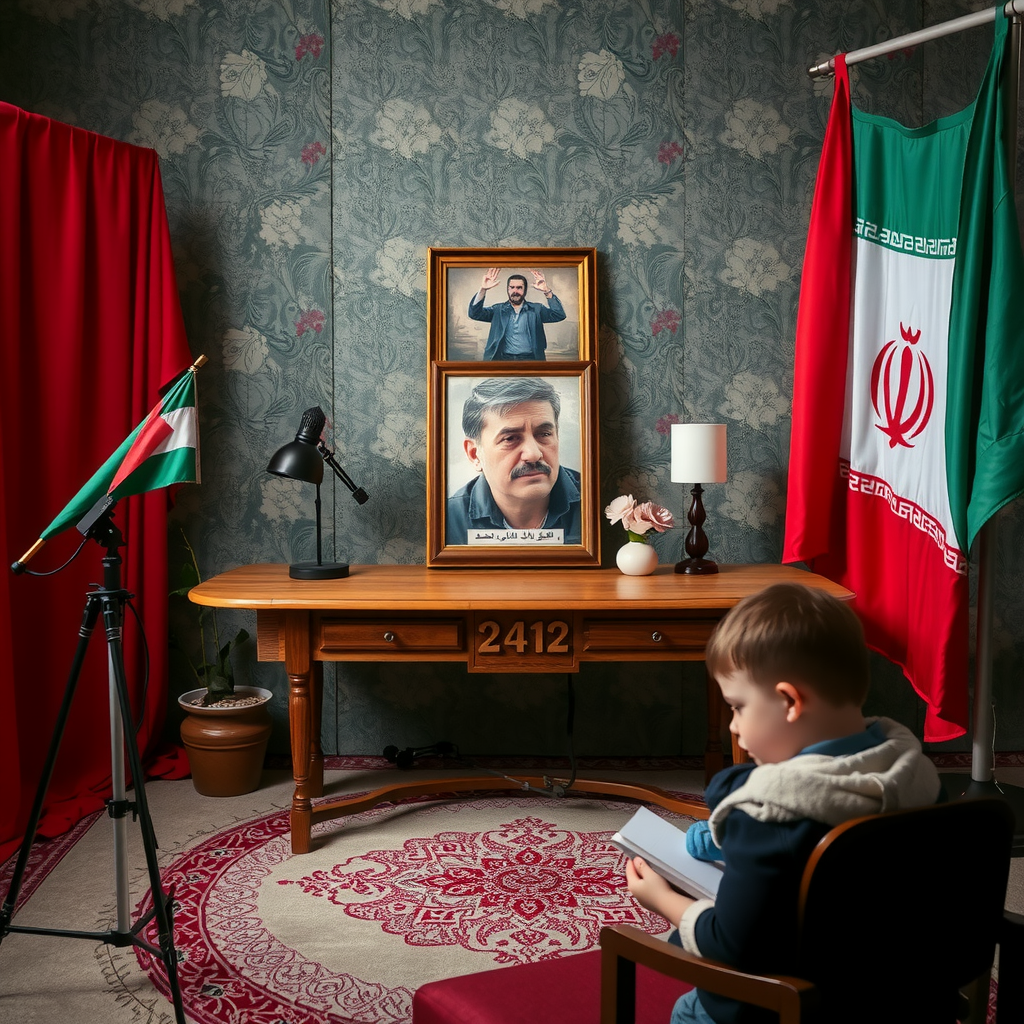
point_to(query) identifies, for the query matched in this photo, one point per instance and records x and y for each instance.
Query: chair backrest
(899, 911)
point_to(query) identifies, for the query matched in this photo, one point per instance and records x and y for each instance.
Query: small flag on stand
(162, 450)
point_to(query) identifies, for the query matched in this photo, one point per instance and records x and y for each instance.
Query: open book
(663, 846)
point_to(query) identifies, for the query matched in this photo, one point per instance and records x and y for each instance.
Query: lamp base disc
(314, 571)
(697, 566)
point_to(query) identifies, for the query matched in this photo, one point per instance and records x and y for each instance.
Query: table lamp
(698, 454)
(303, 459)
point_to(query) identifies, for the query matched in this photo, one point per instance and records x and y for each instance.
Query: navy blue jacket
(473, 507)
(500, 316)
(753, 926)
(753, 923)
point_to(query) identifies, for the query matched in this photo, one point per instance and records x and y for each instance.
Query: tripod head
(98, 525)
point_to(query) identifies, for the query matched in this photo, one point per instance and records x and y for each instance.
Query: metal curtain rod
(924, 35)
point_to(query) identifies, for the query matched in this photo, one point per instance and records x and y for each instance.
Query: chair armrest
(623, 947)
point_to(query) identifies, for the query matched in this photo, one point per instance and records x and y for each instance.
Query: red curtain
(90, 330)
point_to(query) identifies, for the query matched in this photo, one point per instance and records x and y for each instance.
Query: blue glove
(699, 843)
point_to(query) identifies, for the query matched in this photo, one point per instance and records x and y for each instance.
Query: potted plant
(226, 726)
(636, 557)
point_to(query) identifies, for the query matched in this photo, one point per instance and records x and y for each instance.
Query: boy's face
(760, 720)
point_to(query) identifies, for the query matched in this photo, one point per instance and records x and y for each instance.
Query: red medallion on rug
(525, 891)
(388, 900)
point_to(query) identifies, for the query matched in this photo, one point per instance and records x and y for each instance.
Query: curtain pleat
(90, 330)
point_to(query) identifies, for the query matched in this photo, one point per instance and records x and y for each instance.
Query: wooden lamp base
(696, 543)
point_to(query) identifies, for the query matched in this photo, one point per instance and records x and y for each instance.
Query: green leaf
(188, 578)
(217, 688)
(218, 677)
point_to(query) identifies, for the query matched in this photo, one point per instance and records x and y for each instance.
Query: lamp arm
(328, 456)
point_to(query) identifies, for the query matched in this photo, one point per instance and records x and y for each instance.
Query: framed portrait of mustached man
(512, 476)
(531, 305)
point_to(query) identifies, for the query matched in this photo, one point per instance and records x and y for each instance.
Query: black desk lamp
(303, 459)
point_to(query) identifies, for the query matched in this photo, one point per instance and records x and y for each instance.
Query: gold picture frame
(488, 502)
(459, 330)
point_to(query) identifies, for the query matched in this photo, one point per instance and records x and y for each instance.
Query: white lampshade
(698, 453)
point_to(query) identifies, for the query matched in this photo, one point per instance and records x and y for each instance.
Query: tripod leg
(112, 619)
(118, 806)
(84, 633)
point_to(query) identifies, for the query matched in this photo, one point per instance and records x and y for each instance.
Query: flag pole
(983, 734)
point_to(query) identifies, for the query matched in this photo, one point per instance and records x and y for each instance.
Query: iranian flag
(908, 392)
(162, 450)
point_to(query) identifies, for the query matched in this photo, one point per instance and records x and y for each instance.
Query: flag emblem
(902, 389)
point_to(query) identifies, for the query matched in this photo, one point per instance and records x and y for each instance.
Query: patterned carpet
(387, 900)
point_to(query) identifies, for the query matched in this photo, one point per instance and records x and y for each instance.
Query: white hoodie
(834, 789)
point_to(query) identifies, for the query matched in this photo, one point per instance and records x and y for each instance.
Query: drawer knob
(389, 637)
(656, 637)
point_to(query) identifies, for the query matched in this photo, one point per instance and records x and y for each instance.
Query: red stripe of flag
(153, 433)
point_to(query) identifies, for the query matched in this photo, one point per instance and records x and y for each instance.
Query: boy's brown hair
(798, 634)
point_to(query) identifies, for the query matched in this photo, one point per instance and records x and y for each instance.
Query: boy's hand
(653, 892)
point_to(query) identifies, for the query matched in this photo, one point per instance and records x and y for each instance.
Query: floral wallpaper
(311, 151)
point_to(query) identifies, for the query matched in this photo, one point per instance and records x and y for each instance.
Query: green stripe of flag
(166, 467)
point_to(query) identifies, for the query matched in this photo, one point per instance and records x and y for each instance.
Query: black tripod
(108, 600)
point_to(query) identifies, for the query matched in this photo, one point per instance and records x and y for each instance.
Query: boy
(793, 667)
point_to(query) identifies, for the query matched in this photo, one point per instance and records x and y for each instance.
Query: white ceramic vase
(636, 558)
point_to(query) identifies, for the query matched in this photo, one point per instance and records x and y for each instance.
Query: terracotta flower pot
(226, 745)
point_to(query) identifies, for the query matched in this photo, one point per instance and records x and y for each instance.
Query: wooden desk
(491, 620)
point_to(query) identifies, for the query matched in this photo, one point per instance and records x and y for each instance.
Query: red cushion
(566, 990)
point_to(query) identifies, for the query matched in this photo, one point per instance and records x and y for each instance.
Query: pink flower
(650, 516)
(664, 424)
(668, 151)
(667, 43)
(666, 320)
(621, 507)
(310, 319)
(312, 152)
(637, 519)
(311, 43)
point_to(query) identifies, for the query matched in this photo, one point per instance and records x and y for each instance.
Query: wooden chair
(898, 913)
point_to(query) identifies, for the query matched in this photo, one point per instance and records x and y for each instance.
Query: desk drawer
(620, 638)
(390, 635)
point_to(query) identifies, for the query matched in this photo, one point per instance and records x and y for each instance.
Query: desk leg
(316, 752)
(714, 758)
(299, 666)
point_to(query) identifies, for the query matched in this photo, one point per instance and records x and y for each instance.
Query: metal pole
(983, 744)
(924, 35)
(983, 755)
(118, 793)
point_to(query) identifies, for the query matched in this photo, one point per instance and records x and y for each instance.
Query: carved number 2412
(525, 638)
